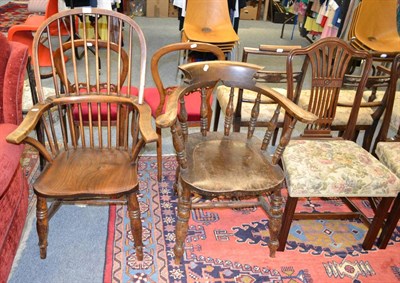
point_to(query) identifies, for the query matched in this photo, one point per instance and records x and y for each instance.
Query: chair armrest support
(145, 127)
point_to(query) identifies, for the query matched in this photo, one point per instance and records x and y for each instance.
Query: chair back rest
(177, 47)
(388, 120)
(208, 74)
(327, 60)
(51, 8)
(205, 19)
(207, 13)
(111, 65)
(377, 19)
(91, 86)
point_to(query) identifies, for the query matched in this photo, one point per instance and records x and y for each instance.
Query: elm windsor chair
(319, 164)
(219, 164)
(102, 163)
(388, 151)
(157, 96)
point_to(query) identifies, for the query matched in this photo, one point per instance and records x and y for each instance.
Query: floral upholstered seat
(389, 154)
(318, 168)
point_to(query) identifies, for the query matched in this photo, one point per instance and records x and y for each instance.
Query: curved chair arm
(292, 108)
(21, 134)
(145, 117)
(19, 28)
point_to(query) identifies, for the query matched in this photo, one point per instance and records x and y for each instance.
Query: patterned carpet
(11, 14)
(230, 245)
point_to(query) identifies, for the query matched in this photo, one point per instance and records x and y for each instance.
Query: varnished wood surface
(216, 163)
(88, 172)
(224, 164)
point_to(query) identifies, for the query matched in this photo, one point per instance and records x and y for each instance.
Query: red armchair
(13, 185)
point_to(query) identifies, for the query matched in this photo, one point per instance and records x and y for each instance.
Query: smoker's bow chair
(388, 151)
(157, 96)
(227, 164)
(320, 164)
(102, 163)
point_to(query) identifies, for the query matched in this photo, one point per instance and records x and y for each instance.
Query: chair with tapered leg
(322, 164)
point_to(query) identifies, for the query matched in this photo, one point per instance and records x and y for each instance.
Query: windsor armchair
(227, 165)
(90, 158)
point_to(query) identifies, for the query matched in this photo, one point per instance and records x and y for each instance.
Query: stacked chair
(93, 127)
(375, 27)
(208, 21)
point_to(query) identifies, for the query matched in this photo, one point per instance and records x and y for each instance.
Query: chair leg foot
(136, 224)
(159, 156)
(275, 222)
(286, 222)
(182, 225)
(377, 222)
(42, 225)
(391, 224)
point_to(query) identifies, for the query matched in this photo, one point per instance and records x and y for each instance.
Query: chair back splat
(227, 166)
(92, 126)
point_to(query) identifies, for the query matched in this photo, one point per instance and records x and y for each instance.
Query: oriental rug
(11, 14)
(230, 245)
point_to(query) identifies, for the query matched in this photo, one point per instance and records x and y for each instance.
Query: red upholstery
(13, 185)
(103, 108)
(192, 103)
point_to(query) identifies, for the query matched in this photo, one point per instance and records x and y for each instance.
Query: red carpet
(12, 14)
(230, 245)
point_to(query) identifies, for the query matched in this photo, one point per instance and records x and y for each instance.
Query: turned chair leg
(391, 224)
(377, 222)
(275, 222)
(287, 219)
(159, 155)
(182, 224)
(136, 224)
(42, 225)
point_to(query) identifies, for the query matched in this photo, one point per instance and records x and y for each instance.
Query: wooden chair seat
(88, 172)
(221, 165)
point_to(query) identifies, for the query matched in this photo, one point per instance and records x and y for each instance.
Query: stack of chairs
(208, 21)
